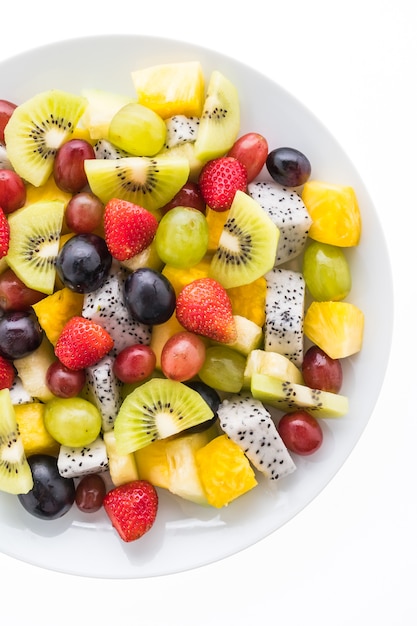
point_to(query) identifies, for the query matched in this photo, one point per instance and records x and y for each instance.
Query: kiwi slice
(150, 182)
(15, 473)
(37, 128)
(220, 120)
(35, 232)
(247, 245)
(156, 410)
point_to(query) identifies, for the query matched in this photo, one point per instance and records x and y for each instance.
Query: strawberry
(204, 308)
(132, 508)
(82, 343)
(220, 179)
(128, 228)
(4, 234)
(7, 373)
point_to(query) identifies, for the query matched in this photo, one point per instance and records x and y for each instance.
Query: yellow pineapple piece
(335, 213)
(180, 277)
(47, 192)
(336, 327)
(35, 437)
(224, 471)
(32, 370)
(152, 463)
(215, 220)
(171, 89)
(249, 300)
(56, 310)
(122, 467)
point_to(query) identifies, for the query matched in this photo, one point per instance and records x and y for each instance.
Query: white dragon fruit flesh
(104, 149)
(287, 210)
(248, 423)
(180, 129)
(284, 314)
(103, 389)
(106, 307)
(75, 462)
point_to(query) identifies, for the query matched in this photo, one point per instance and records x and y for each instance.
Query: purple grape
(149, 296)
(288, 167)
(20, 334)
(84, 262)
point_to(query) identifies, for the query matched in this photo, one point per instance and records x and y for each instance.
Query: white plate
(186, 536)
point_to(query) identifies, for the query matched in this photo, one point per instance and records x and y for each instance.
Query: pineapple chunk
(249, 300)
(54, 311)
(32, 369)
(122, 467)
(224, 471)
(35, 437)
(171, 89)
(336, 327)
(249, 336)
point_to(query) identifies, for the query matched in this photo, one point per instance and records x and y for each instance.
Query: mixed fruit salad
(165, 282)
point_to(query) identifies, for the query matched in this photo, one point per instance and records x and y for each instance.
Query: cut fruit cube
(179, 277)
(249, 336)
(35, 437)
(335, 213)
(122, 467)
(54, 311)
(249, 300)
(287, 396)
(32, 370)
(102, 106)
(336, 327)
(225, 471)
(171, 89)
(271, 364)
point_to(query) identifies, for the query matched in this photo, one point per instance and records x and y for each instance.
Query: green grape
(137, 130)
(223, 369)
(182, 237)
(326, 272)
(72, 422)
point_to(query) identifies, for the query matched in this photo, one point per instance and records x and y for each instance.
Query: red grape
(69, 171)
(12, 191)
(134, 363)
(6, 110)
(300, 432)
(14, 294)
(322, 372)
(84, 212)
(183, 356)
(251, 150)
(63, 382)
(189, 196)
(90, 493)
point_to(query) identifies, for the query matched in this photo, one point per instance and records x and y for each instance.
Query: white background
(351, 556)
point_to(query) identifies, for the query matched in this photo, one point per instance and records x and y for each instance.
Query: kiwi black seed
(220, 122)
(34, 243)
(37, 128)
(247, 244)
(150, 182)
(155, 410)
(15, 473)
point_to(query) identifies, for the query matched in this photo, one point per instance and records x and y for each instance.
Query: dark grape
(12, 191)
(52, 495)
(212, 398)
(63, 382)
(84, 212)
(300, 432)
(20, 334)
(69, 173)
(321, 371)
(90, 492)
(84, 262)
(288, 167)
(14, 294)
(149, 296)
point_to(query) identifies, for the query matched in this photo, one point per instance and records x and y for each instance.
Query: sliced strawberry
(128, 228)
(82, 343)
(7, 373)
(4, 234)
(132, 508)
(220, 179)
(204, 308)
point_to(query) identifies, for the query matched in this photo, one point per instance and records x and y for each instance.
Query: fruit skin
(250, 149)
(220, 179)
(132, 509)
(73, 422)
(204, 308)
(321, 371)
(82, 343)
(128, 228)
(14, 295)
(7, 373)
(301, 432)
(12, 191)
(288, 166)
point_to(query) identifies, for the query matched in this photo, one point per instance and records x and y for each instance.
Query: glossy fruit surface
(210, 396)
(223, 369)
(6, 110)
(63, 382)
(12, 191)
(250, 149)
(189, 195)
(20, 334)
(322, 372)
(68, 169)
(300, 432)
(183, 356)
(134, 363)
(14, 294)
(83, 263)
(84, 212)
(72, 422)
(90, 493)
(288, 167)
(182, 237)
(52, 495)
(149, 296)
(326, 272)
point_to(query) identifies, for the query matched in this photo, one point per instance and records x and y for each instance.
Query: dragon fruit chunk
(284, 314)
(247, 422)
(288, 212)
(104, 149)
(103, 389)
(75, 462)
(180, 129)
(106, 307)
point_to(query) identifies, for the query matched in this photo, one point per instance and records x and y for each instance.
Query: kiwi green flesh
(34, 243)
(15, 473)
(220, 122)
(37, 128)
(150, 182)
(247, 244)
(156, 410)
